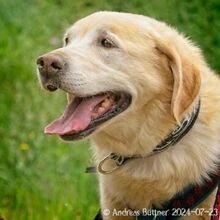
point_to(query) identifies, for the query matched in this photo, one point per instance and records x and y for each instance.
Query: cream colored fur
(166, 74)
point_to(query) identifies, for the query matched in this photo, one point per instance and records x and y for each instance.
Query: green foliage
(40, 176)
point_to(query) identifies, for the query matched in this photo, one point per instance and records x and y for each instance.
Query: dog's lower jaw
(134, 132)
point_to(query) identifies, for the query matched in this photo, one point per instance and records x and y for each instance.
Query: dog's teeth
(106, 103)
(101, 110)
(94, 115)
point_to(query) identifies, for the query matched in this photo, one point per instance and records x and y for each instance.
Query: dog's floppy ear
(186, 79)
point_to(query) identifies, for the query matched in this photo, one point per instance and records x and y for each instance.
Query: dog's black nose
(50, 64)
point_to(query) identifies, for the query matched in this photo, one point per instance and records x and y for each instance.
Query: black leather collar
(180, 131)
(171, 139)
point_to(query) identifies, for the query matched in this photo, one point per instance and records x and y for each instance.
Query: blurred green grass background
(40, 176)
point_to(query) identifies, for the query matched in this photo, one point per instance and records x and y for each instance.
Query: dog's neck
(134, 136)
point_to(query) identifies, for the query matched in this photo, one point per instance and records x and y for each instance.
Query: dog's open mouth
(84, 114)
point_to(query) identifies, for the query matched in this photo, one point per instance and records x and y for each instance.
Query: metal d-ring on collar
(171, 139)
(116, 159)
(117, 163)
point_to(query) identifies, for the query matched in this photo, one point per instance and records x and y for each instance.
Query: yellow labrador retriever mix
(150, 103)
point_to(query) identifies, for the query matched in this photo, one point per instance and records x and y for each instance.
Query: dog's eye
(107, 43)
(66, 40)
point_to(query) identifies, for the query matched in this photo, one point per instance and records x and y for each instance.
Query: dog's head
(113, 63)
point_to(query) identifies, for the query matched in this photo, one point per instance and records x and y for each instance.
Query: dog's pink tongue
(75, 118)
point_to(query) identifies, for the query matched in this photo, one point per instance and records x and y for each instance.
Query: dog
(149, 102)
